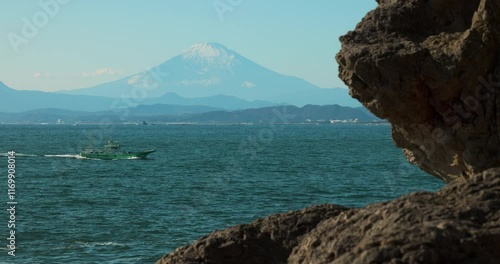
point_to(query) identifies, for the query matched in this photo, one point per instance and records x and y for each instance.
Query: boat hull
(116, 155)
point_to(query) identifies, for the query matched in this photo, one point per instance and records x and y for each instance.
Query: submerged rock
(432, 69)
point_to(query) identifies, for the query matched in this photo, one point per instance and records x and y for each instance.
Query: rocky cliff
(432, 68)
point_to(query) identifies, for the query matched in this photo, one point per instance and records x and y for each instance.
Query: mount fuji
(209, 69)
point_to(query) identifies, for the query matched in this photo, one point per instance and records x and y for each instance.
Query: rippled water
(202, 178)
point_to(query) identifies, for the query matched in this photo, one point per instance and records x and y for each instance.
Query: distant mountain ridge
(16, 101)
(209, 69)
(293, 114)
(13, 101)
(196, 114)
(52, 115)
(216, 101)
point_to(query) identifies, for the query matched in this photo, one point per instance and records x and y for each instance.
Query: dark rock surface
(432, 68)
(267, 240)
(458, 224)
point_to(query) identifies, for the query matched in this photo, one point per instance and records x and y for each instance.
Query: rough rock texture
(432, 68)
(268, 240)
(458, 224)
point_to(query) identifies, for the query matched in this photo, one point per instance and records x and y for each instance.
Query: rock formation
(268, 240)
(458, 224)
(432, 68)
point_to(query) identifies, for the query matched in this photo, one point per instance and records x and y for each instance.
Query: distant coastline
(169, 114)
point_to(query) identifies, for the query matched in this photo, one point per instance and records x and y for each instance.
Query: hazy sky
(64, 44)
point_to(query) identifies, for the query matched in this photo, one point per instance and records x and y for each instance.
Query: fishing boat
(111, 151)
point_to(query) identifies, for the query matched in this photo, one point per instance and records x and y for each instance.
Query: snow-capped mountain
(213, 56)
(208, 69)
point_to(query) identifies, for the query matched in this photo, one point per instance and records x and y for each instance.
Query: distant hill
(16, 101)
(52, 115)
(294, 114)
(209, 69)
(216, 101)
(195, 114)
(165, 109)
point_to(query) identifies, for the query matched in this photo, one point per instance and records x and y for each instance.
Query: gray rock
(458, 224)
(267, 240)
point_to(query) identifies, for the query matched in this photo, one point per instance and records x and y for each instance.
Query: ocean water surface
(202, 178)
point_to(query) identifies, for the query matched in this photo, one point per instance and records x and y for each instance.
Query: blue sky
(81, 43)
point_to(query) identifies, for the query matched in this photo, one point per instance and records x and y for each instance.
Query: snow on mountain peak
(206, 49)
(209, 54)
(247, 84)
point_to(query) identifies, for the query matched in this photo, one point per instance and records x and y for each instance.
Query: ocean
(202, 178)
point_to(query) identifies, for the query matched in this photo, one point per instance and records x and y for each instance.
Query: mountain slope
(208, 69)
(14, 101)
(52, 115)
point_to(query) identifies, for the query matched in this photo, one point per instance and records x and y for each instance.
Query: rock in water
(267, 240)
(432, 69)
(458, 224)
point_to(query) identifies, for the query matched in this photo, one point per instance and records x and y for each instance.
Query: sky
(51, 45)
